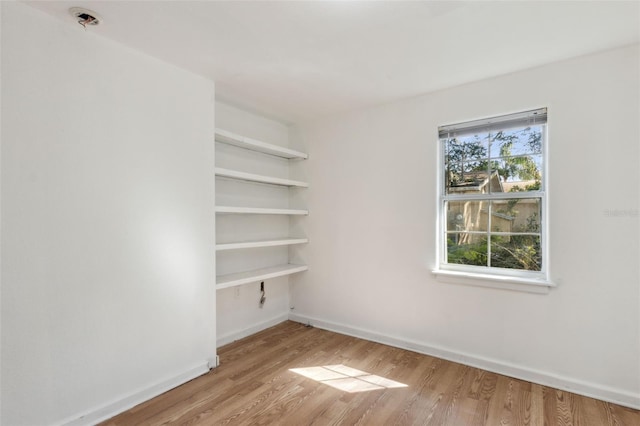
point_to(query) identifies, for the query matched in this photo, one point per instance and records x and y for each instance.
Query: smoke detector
(85, 16)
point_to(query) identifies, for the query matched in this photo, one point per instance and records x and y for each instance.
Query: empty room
(320, 213)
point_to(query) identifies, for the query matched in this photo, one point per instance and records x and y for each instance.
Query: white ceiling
(302, 59)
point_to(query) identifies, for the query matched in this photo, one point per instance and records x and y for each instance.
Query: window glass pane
(467, 177)
(466, 216)
(463, 157)
(469, 249)
(516, 252)
(517, 174)
(466, 237)
(517, 215)
(519, 141)
(468, 148)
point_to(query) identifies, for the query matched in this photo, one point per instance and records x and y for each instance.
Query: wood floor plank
(464, 412)
(537, 408)
(254, 385)
(564, 411)
(398, 402)
(498, 413)
(421, 398)
(550, 406)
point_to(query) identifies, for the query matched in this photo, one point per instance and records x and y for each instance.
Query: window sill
(503, 282)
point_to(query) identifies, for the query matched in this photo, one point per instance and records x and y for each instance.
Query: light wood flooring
(254, 386)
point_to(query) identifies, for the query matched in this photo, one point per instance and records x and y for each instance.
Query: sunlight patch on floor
(347, 379)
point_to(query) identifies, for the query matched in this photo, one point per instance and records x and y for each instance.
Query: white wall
(373, 196)
(238, 309)
(107, 226)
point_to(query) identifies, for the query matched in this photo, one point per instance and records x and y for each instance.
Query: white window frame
(486, 276)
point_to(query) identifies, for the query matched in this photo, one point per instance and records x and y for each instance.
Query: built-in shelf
(246, 277)
(259, 210)
(229, 138)
(257, 244)
(234, 174)
(240, 278)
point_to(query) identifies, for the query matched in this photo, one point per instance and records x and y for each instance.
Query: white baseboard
(248, 331)
(593, 390)
(120, 405)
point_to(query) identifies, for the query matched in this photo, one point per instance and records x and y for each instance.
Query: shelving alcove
(274, 271)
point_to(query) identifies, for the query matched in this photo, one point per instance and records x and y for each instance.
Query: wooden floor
(254, 386)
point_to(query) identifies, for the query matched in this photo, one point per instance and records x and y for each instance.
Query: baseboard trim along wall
(592, 390)
(248, 331)
(122, 404)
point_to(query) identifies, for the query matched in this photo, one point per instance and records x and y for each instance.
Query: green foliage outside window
(515, 252)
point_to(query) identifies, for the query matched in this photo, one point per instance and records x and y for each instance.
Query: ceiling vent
(85, 16)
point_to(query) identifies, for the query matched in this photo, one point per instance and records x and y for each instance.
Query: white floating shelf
(229, 138)
(257, 244)
(234, 174)
(259, 210)
(240, 278)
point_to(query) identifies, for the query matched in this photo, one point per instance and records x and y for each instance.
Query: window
(492, 198)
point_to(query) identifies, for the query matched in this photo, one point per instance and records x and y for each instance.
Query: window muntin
(492, 196)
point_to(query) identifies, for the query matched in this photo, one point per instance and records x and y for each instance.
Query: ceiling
(298, 60)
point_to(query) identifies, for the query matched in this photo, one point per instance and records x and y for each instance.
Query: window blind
(521, 119)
